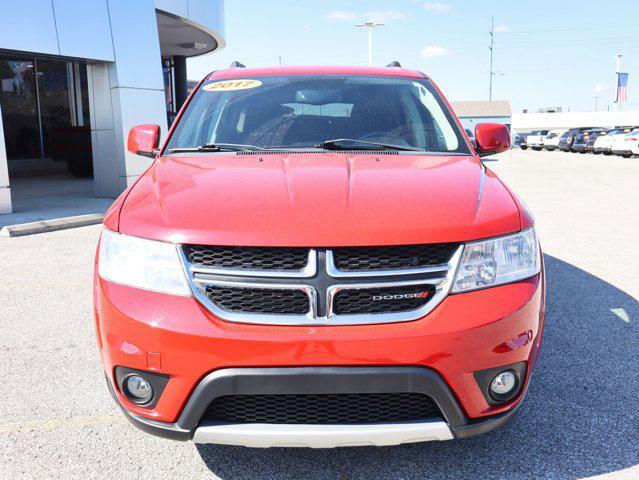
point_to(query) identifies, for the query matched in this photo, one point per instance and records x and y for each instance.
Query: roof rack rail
(394, 63)
(237, 64)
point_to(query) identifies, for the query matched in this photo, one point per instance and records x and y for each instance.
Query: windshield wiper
(346, 144)
(217, 147)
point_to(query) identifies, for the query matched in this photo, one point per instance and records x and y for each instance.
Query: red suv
(318, 257)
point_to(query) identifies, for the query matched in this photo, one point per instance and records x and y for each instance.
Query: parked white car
(603, 144)
(551, 141)
(622, 144)
(536, 139)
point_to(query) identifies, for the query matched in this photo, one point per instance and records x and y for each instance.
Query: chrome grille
(393, 257)
(341, 286)
(248, 258)
(258, 300)
(380, 300)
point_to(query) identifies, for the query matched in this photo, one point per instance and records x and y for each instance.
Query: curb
(43, 226)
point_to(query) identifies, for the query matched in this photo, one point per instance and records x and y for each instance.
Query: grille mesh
(248, 258)
(368, 301)
(258, 300)
(322, 408)
(393, 257)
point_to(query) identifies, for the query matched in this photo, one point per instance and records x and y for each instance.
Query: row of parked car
(622, 141)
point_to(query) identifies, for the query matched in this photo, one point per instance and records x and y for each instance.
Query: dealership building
(76, 75)
(471, 113)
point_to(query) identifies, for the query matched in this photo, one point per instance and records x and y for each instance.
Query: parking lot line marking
(621, 313)
(56, 423)
(44, 284)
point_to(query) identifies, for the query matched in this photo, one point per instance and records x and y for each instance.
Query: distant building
(482, 111)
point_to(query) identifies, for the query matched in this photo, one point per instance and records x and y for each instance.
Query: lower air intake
(321, 409)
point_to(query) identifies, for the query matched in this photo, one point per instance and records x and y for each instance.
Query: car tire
(523, 147)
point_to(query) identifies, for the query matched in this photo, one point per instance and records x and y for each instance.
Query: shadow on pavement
(580, 417)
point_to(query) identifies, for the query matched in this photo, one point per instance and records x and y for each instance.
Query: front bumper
(178, 337)
(316, 380)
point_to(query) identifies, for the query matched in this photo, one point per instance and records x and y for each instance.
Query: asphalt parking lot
(580, 418)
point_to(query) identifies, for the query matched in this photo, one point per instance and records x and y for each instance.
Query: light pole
(493, 73)
(491, 48)
(370, 26)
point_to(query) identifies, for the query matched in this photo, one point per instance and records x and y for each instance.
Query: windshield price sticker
(229, 85)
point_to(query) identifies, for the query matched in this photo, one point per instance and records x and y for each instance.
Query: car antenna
(394, 63)
(237, 64)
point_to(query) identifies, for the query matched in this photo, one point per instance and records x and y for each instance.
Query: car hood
(318, 199)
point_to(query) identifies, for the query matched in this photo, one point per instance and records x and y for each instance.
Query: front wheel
(523, 147)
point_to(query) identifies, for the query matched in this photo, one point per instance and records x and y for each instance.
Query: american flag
(622, 87)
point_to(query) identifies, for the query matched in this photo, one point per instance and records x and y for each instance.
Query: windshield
(296, 111)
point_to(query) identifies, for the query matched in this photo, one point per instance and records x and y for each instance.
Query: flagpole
(617, 102)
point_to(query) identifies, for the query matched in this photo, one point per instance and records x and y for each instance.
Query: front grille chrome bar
(319, 286)
(385, 317)
(334, 272)
(308, 271)
(261, 318)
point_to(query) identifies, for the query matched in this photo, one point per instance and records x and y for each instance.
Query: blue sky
(551, 53)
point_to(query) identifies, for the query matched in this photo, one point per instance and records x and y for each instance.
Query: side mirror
(143, 140)
(491, 138)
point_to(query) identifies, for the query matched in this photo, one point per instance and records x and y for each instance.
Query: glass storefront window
(45, 113)
(55, 110)
(18, 98)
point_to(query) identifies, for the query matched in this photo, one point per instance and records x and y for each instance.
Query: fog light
(503, 384)
(138, 389)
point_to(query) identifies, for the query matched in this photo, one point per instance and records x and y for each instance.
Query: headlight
(141, 263)
(497, 261)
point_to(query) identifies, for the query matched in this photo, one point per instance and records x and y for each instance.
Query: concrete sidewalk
(48, 198)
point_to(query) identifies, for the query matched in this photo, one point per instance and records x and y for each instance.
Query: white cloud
(384, 16)
(341, 16)
(433, 51)
(437, 7)
(502, 29)
(377, 16)
(600, 87)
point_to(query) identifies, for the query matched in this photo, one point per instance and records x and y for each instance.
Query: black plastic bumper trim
(318, 380)
(484, 377)
(157, 380)
(154, 427)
